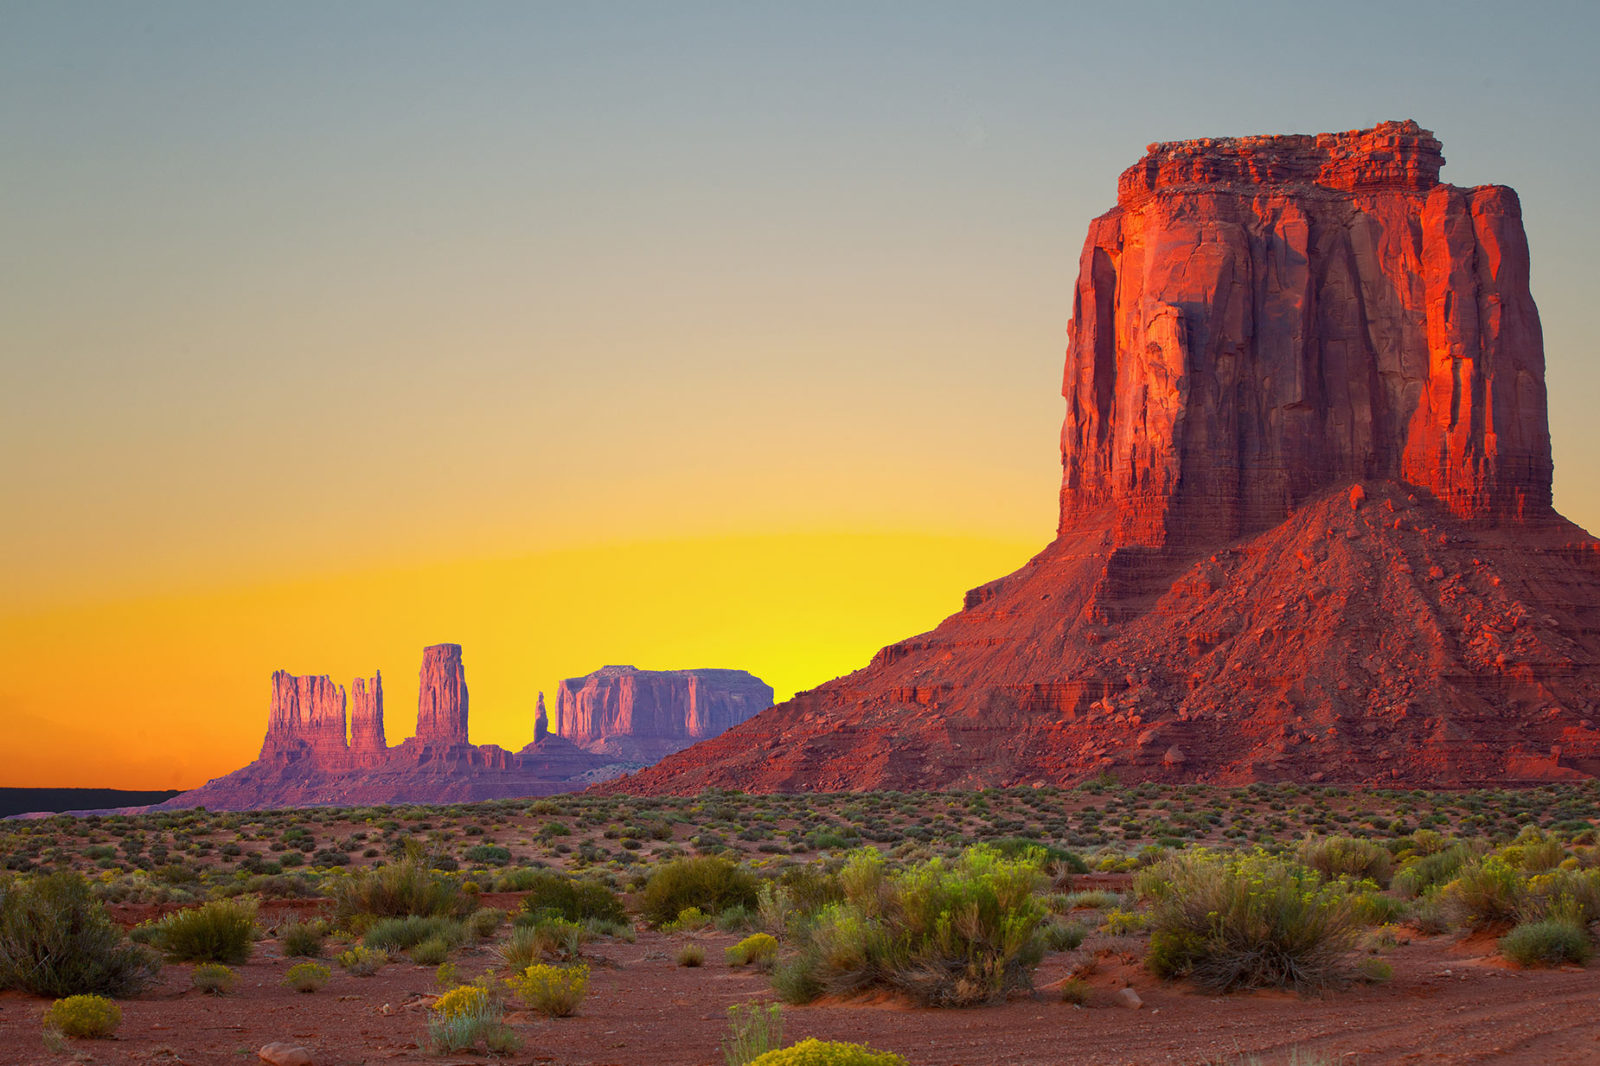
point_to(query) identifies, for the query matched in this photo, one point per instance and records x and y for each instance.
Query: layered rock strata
(650, 713)
(1305, 526)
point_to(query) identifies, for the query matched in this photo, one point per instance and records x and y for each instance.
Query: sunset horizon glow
(699, 336)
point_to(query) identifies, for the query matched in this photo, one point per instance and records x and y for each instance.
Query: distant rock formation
(306, 719)
(366, 718)
(442, 697)
(646, 714)
(1305, 517)
(307, 759)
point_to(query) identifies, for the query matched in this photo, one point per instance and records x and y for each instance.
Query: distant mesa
(614, 720)
(1305, 524)
(644, 715)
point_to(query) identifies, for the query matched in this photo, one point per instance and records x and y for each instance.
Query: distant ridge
(31, 800)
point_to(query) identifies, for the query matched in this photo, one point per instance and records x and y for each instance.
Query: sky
(666, 334)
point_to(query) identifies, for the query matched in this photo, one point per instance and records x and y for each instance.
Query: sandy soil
(1451, 1001)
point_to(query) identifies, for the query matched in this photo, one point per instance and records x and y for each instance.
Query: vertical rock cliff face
(1261, 318)
(620, 707)
(366, 717)
(442, 697)
(306, 718)
(1305, 517)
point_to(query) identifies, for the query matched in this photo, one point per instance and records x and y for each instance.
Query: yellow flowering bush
(814, 1052)
(552, 990)
(464, 999)
(84, 1016)
(758, 947)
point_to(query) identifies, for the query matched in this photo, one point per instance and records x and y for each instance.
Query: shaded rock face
(620, 707)
(1260, 318)
(1305, 527)
(442, 696)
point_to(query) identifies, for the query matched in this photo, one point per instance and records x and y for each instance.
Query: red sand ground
(1451, 1001)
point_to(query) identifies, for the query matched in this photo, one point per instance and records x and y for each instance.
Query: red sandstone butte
(1305, 526)
(442, 696)
(645, 714)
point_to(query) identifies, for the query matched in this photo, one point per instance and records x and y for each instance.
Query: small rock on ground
(281, 1054)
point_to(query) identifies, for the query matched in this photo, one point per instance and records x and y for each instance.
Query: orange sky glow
(712, 335)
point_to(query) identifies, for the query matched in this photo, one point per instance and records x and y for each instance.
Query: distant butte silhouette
(1305, 517)
(615, 719)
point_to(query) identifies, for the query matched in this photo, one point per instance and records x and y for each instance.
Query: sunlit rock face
(306, 719)
(1261, 318)
(1305, 527)
(621, 709)
(442, 696)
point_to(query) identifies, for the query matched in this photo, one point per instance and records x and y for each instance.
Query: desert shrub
(707, 882)
(946, 934)
(1371, 907)
(484, 921)
(522, 949)
(1562, 893)
(400, 889)
(1429, 914)
(303, 939)
(1076, 991)
(557, 895)
(1248, 921)
(463, 999)
(757, 948)
(692, 955)
(1548, 942)
(1430, 871)
(223, 930)
(689, 920)
(307, 976)
(1062, 936)
(1534, 852)
(737, 919)
(467, 1016)
(1089, 898)
(1118, 922)
(814, 1052)
(1336, 857)
(363, 962)
(403, 934)
(1486, 893)
(57, 940)
(1374, 971)
(213, 978)
(487, 855)
(753, 1030)
(552, 990)
(552, 938)
(88, 1016)
(431, 952)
